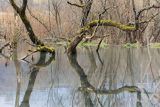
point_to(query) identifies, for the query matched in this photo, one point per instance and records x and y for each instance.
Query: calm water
(120, 77)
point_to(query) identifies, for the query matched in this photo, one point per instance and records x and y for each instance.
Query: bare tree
(22, 13)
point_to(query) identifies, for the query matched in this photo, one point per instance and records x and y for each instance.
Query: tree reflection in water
(100, 80)
(87, 89)
(34, 72)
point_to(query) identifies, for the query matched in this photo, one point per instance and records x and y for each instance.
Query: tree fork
(87, 4)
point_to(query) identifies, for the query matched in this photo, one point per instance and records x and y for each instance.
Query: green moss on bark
(46, 49)
(107, 23)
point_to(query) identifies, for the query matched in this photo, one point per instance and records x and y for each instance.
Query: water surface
(114, 77)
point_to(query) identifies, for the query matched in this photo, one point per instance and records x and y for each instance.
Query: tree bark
(85, 12)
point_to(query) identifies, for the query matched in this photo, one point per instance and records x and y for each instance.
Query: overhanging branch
(112, 23)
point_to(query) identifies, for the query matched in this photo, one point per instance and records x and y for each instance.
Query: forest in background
(60, 20)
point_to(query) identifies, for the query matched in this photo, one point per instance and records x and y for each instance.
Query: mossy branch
(111, 23)
(41, 49)
(46, 49)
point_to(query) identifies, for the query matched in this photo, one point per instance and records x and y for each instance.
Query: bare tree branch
(37, 19)
(24, 5)
(146, 9)
(150, 19)
(74, 4)
(17, 9)
(1, 49)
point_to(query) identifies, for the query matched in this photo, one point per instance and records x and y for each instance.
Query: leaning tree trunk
(85, 12)
(22, 13)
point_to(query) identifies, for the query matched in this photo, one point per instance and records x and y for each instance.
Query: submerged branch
(130, 89)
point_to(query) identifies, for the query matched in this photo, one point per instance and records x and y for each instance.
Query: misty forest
(79, 53)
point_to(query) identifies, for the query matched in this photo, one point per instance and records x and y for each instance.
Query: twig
(37, 19)
(147, 8)
(99, 44)
(149, 20)
(7, 44)
(74, 4)
(32, 52)
(99, 18)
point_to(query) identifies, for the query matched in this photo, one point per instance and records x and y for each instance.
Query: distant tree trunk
(85, 12)
(56, 12)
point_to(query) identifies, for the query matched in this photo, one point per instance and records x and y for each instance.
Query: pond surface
(114, 77)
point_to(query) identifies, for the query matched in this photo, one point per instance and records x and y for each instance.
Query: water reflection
(34, 71)
(86, 88)
(114, 77)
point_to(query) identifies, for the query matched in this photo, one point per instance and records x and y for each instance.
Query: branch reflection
(34, 72)
(87, 88)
